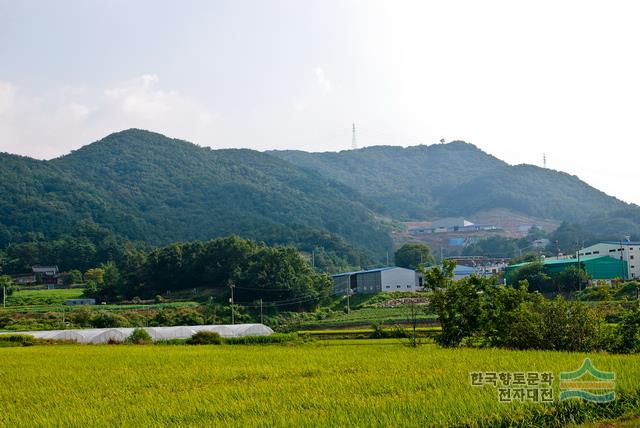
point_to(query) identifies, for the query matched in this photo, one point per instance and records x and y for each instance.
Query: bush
(108, 320)
(629, 331)
(7, 340)
(475, 311)
(378, 331)
(205, 338)
(139, 336)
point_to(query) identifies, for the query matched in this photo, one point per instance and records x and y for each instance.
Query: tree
(438, 277)
(535, 276)
(493, 246)
(73, 277)
(7, 283)
(412, 255)
(459, 308)
(111, 284)
(525, 258)
(629, 330)
(571, 280)
(96, 275)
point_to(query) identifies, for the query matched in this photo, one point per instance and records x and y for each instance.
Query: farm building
(46, 274)
(105, 335)
(387, 279)
(599, 267)
(627, 251)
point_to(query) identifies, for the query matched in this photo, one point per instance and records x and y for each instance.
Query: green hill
(458, 179)
(146, 187)
(151, 188)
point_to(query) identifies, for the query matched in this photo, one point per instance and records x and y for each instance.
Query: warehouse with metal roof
(387, 279)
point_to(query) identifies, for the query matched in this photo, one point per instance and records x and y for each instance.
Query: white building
(386, 279)
(629, 251)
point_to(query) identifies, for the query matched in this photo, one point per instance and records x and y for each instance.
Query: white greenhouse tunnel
(104, 335)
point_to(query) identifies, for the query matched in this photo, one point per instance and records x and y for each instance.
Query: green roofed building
(598, 267)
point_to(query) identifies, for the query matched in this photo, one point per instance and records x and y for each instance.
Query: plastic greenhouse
(104, 335)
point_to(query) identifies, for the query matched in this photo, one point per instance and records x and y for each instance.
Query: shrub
(7, 340)
(378, 331)
(107, 320)
(139, 336)
(205, 338)
(398, 332)
(629, 331)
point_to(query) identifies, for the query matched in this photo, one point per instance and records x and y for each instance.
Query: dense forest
(137, 189)
(458, 179)
(256, 271)
(146, 187)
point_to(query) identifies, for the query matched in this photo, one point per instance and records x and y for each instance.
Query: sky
(517, 79)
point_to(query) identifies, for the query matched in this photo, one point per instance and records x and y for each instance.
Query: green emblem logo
(588, 383)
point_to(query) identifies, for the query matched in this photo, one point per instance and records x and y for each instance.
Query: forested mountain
(458, 179)
(424, 182)
(151, 188)
(146, 187)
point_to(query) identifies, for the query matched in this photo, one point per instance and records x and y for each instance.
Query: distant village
(603, 262)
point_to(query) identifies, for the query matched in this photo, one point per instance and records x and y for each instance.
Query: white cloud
(324, 83)
(7, 95)
(58, 121)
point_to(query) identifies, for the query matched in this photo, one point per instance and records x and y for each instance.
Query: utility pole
(387, 258)
(232, 286)
(622, 261)
(313, 259)
(261, 319)
(354, 144)
(579, 278)
(348, 290)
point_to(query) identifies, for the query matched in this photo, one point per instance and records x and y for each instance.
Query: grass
(61, 307)
(368, 316)
(432, 329)
(43, 297)
(328, 383)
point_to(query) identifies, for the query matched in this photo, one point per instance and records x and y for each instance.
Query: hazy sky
(516, 79)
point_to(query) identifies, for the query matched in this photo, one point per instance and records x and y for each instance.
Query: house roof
(562, 261)
(367, 271)
(621, 242)
(464, 270)
(39, 269)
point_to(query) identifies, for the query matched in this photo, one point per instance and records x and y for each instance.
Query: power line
(265, 289)
(277, 303)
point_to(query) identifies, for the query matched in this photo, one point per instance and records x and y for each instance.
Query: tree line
(277, 275)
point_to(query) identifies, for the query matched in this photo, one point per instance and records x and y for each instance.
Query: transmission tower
(544, 160)
(354, 145)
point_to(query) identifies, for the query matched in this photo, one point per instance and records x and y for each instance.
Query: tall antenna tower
(354, 145)
(544, 160)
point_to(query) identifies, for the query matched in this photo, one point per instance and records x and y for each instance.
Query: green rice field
(327, 383)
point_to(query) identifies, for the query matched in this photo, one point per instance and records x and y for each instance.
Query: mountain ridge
(145, 186)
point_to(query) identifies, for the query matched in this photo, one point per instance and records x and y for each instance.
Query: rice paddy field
(326, 383)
